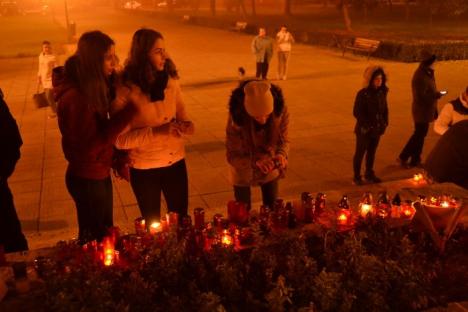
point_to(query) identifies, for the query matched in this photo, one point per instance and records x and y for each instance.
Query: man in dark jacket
(424, 110)
(11, 236)
(448, 161)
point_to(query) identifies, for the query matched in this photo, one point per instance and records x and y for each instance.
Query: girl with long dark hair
(84, 91)
(156, 142)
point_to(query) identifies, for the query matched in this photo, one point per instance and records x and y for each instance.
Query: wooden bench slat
(363, 44)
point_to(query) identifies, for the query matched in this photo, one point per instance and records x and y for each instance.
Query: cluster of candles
(234, 231)
(443, 201)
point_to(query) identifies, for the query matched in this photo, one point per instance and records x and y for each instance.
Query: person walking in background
(284, 40)
(11, 236)
(47, 62)
(257, 143)
(262, 47)
(84, 94)
(424, 110)
(371, 113)
(452, 112)
(156, 141)
(448, 160)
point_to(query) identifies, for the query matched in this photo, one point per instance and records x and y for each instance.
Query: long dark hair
(139, 70)
(85, 69)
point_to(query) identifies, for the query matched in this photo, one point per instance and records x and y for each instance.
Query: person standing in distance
(262, 47)
(47, 62)
(424, 111)
(284, 40)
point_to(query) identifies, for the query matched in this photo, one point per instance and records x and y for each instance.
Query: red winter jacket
(87, 138)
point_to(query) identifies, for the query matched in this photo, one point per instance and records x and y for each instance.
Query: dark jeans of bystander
(94, 206)
(11, 236)
(269, 193)
(147, 185)
(365, 144)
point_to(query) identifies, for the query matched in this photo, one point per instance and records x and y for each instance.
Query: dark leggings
(415, 144)
(269, 193)
(365, 144)
(93, 200)
(147, 185)
(11, 236)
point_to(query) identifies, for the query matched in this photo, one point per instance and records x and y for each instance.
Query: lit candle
(226, 238)
(407, 210)
(343, 218)
(108, 251)
(365, 206)
(155, 227)
(173, 219)
(418, 177)
(445, 204)
(365, 209)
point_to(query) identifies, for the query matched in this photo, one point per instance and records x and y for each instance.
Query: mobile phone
(443, 92)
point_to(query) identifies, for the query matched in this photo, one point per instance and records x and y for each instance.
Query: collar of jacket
(460, 106)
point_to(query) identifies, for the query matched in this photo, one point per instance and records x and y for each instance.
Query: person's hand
(280, 161)
(266, 165)
(169, 128)
(185, 127)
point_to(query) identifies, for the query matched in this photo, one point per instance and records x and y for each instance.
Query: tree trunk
(213, 7)
(407, 10)
(287, 7)
(346, 18)
(254, 11)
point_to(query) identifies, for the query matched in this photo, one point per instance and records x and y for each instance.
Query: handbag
(40, 99)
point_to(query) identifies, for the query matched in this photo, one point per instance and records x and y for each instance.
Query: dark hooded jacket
(425, 94)
(448, 160)
(370, 105)
(247, 142)
(10, 140)
(87, 137)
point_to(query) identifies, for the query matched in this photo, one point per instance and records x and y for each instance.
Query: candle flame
(108, 256)
(365, 209)
(418, 177)
(445, 204)
(155, 227)
(226, 239)
(342, 218)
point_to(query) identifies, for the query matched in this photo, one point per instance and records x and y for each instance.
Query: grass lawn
(22, 35)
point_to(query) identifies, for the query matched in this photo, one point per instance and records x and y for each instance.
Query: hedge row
(389, 49)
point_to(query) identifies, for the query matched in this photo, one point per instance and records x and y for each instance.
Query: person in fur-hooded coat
(371, 113)
(257, 143)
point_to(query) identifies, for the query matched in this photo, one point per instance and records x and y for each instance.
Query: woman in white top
(284, 40)
(47, 62)
(156, 140)
(452, 112)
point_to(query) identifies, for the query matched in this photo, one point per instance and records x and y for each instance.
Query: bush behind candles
(374, 268)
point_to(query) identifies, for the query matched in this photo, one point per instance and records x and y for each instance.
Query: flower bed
(372, 266)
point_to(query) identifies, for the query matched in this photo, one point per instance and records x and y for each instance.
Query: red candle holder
(173, 219)
(238, 212)
(343, 217)
(407, 210)
(366, 205)
(140, 226)
(199, 215)
(155, 227)
(108, 251)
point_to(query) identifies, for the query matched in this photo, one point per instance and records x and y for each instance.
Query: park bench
(239, 26)
(363, 45)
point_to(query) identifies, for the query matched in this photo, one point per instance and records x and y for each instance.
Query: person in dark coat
(11, 236)
(371, 113)
(448, 160)
(424, 110)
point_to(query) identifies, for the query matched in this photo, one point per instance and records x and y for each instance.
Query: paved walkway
(320, 93)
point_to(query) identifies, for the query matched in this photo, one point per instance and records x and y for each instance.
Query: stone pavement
(320, 92)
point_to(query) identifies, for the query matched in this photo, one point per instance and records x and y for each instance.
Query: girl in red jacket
(88, 133)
